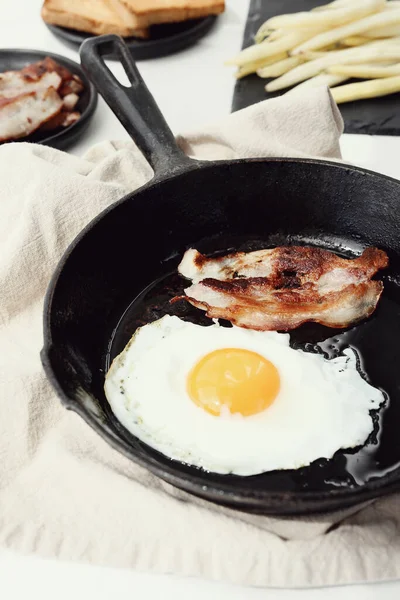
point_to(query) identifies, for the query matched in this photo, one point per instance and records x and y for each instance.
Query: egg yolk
(243, 381)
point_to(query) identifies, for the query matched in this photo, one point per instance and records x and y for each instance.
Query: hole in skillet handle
(134, 106)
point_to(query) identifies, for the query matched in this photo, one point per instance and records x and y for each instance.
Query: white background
(191, 87)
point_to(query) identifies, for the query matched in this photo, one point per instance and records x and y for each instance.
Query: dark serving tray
(376, 116)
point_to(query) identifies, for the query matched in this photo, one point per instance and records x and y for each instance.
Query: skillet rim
(226, 493)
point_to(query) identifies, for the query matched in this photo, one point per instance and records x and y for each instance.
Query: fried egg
(231, 400)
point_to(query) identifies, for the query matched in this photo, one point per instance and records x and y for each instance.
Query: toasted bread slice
(150, 12)
(93, 16)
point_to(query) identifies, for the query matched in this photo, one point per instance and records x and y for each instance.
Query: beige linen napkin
(63, 491)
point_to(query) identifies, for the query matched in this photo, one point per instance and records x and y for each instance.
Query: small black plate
(164, 39)
(15, 59)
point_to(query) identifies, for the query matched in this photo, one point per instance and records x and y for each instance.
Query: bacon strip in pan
(282, 288)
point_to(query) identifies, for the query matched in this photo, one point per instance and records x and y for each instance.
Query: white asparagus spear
(355, 40)
(390, 5)
(366, 89)
(267, 49)
(326, 20)
(334, 5)
(384, 50)
(325, 79)
(252, 67)
(365, 71)
(265, 33)
(279, 68)
(366, 53)
(381, 19)
(382, 32)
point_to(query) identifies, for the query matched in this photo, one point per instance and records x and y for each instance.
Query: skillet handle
(134, 106)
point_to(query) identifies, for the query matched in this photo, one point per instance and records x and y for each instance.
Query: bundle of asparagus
(335, 42)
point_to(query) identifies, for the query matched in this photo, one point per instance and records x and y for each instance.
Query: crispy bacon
(24, 114)
(70, 101)
(12, 83)
(35, 71)
(282, 288)
(61, 119)
(71, 86)
(33, 97)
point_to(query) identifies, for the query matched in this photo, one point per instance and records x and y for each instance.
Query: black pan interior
(122, 273)
(16, 59)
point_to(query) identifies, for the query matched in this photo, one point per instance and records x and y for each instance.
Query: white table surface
(191, 87)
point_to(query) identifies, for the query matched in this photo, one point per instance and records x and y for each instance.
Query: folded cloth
(63, 491)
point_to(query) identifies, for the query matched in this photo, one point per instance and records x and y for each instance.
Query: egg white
(322, 406)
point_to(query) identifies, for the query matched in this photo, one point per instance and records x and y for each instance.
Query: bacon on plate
(42, 94)
(24, 114)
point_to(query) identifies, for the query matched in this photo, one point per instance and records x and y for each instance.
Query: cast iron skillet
(120, 272)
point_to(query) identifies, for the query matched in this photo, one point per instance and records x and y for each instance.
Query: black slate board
(377, 116)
